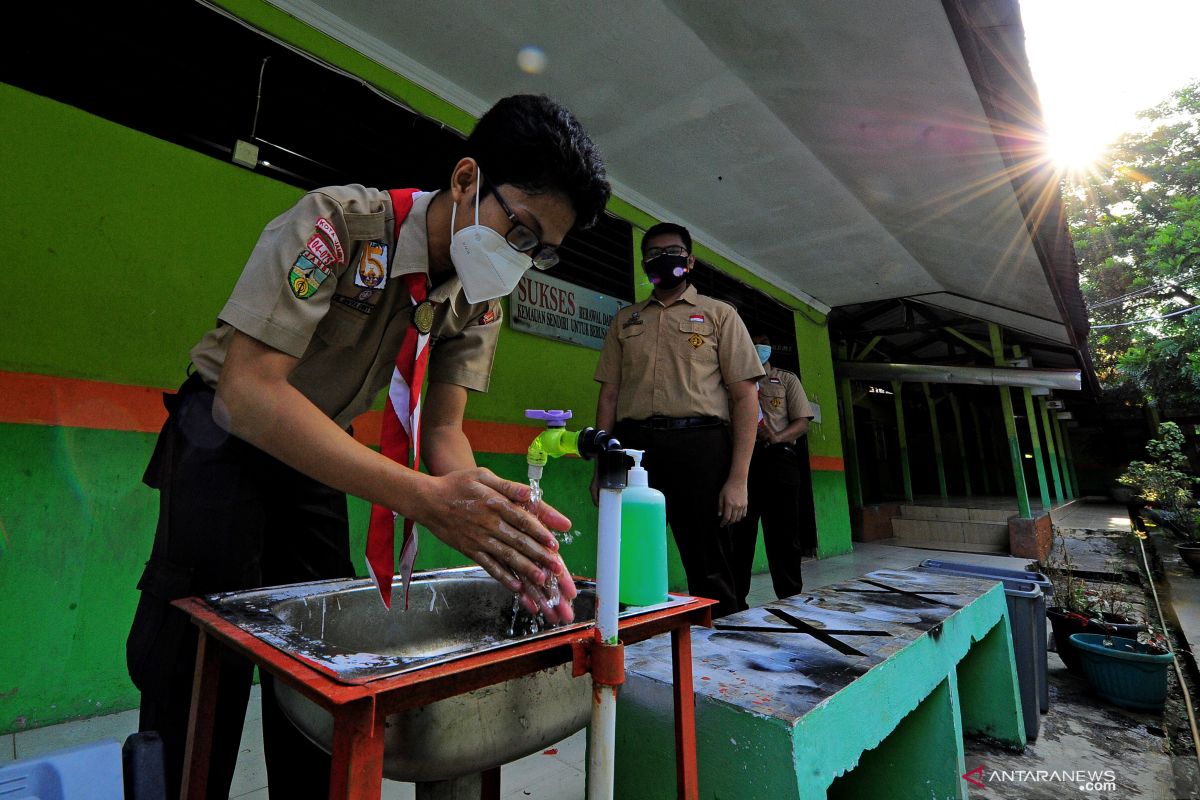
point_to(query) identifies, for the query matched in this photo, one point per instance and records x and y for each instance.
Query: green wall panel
(137, 242)
(77, 523)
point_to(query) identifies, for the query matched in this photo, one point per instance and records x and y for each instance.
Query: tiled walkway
(557, 775)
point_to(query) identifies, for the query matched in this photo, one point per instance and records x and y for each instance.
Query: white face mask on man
(486, 265)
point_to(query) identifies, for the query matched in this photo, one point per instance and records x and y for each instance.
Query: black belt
(670, 423)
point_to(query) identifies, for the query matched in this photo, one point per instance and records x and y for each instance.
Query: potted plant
(1082, 609)
(1164, 491)
(1125, 672)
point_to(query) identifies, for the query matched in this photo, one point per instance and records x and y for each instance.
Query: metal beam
(905, 471)
(1051, 451)
(1068, 379)
(968, 340)
(937, 441)
(853, 480)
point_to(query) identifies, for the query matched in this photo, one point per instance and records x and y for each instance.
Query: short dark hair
(667, 228)
(537, 145)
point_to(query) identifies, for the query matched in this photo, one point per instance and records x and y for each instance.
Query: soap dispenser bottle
(643, 539)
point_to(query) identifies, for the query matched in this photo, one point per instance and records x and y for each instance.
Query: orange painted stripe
(827, 463)
(74, 403)
(28, 399)
(485, 437)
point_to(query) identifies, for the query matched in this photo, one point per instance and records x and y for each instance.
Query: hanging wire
(1147, 319)
(258, 102)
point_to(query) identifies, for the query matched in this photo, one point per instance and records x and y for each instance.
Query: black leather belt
(670, 423)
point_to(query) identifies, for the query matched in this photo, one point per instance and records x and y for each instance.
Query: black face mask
(666, 272)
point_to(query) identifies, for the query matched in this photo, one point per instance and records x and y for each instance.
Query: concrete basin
(343, 628)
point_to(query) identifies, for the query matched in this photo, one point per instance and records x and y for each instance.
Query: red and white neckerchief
(400, 439)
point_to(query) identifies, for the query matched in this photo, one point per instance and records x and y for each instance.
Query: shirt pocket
(341, 327)
(633, 344)
(773, 397)
(696, 341)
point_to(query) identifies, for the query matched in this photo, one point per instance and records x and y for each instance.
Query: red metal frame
(360, 710)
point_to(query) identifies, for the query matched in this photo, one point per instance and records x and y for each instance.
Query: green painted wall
(135, 243)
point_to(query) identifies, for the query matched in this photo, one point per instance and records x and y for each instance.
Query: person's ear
(691, 262)
(463, 179)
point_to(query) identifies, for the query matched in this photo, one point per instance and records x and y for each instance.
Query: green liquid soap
(643, 540)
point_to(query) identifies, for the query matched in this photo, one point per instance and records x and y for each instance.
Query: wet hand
(482, 516)
(732, 502)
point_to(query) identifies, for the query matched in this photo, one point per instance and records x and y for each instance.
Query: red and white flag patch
(696, 318)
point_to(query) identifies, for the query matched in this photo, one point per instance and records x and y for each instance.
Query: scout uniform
(324, 284)
(672, 365)
(776, 482)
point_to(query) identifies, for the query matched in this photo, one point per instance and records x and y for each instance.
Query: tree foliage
(1135, 222)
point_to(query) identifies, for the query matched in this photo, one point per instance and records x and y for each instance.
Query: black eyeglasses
(524, 240)
(673, 250)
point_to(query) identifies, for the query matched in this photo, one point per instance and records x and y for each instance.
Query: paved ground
(1080, 732)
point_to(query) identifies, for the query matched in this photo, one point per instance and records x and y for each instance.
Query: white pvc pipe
(1067, 379)
(603, 739)
(608, 565)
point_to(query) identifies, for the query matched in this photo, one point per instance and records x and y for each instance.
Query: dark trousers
(776, 482)
(230, 517)
(689, 466)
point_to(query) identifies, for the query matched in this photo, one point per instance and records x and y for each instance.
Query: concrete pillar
(937, 441)
(905, 470)
(1010, 426)
(1052, 452)
(962, 444)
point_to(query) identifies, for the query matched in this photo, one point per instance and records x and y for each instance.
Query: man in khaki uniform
(676, 373)
(256, 457)
(776, 480)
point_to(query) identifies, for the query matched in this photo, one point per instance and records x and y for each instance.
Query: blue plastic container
(1128, 674)
(1020, 609)
(87, 772)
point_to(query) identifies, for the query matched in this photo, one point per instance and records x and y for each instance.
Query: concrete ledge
(874, 522)
(1031, 537)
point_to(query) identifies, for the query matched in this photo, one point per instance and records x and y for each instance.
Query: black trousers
(689, 466)
(231, 517)
(776, 483)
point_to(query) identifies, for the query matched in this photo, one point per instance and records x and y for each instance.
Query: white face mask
(486, 265)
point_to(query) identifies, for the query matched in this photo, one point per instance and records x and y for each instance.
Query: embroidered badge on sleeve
(488, 317)
(372, 266)
(306, 276)
(326, 227)
(317, 246)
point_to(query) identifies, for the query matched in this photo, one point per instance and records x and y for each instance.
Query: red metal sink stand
(359, 710)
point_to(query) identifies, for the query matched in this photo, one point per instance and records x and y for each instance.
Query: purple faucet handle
(554, 418)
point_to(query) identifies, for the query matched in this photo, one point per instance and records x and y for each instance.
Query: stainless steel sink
(343, 628)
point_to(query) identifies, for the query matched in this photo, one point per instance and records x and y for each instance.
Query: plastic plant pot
(1190, 553)
(1124, 671)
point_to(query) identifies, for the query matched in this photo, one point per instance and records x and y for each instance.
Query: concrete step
(950, 547)
(956, 513)
(989, 534)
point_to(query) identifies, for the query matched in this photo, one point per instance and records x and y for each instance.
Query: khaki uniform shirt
(324, 285)
(676, 361)
(782, 399)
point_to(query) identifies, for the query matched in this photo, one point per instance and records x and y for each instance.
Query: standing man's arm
(798, 410)
(734, 497)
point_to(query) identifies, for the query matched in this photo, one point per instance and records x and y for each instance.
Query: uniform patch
(696, 318)
(354, 303)
(696, 340)
(372, 266)
(488, 317)
(326, 227)
(306, 277)
(366, 294)
(316, 245)
(776, 402)
(635, 319)
(775, 380)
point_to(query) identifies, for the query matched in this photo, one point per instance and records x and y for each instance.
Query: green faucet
(553, 442)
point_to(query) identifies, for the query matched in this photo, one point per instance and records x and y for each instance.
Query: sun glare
(1075, 149)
